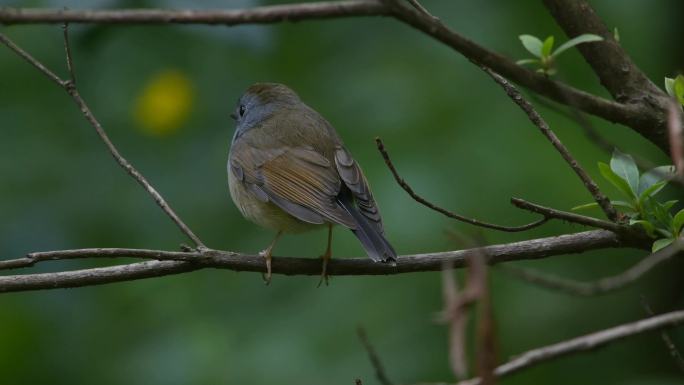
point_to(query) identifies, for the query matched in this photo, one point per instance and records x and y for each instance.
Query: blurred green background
(164, 94)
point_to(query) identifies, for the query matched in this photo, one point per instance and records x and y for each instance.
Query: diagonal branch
(70, 87)
(172, 262)
(585, 343)
(538, 121)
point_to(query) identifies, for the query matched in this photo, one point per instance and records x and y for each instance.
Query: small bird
(289, 171)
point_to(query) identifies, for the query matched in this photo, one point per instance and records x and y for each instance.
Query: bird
(289, 171)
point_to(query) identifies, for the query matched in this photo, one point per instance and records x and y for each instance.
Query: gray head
(259, 102)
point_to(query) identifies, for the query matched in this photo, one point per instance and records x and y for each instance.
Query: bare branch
(538, 121)
(603, 285)
(616, 70)
(171, 262)
(669, 344)
(70, 88)
(417, 5)
(641, 118)
(573, 218)
(374, 358)
(402, 183)
(585, 343)
(258, 15)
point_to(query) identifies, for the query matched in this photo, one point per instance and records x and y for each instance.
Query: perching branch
(70, 87)
(173, 262)
(538, 121)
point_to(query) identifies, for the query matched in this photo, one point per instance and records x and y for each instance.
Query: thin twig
(572, 217)
(373, 356)
(170, 262)
(538, 121)
(417, 5)
(602, 286)
(67, 52)
(404, 185)
(669, 344)
(585, 343)
(70, 87)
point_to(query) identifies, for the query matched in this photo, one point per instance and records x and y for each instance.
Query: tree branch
(573, 218)
(70, 87)
(406, 187)
(257, 15)
(638, 117)
(585, 343)
(172, 262)
(603, 285)
(538, 121)
(615, 69)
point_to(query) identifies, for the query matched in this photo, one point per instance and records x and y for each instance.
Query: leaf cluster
(640, 205)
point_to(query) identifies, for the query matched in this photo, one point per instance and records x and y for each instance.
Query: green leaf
(678, 222)
(648, 226)
(623, 205)
(669, 86)
(527, 61)
(654, 176)
(585, 206)
(547, 47)
(679, 89)
(585, 38)
(620, 204)
(651, 191)
(623, 165)
(668, 205)
(660, 243)
(615, 180)
(532, 44)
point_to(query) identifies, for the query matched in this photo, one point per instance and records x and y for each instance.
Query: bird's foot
(267, 256)
(324, 270)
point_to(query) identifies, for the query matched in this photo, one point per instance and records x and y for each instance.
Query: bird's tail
(372, 239)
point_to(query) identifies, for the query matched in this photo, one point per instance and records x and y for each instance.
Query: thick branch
(169, 262)
(257, 15)
(615, 69)
(639, 117)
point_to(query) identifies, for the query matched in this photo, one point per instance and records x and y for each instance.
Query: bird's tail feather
(373, 241)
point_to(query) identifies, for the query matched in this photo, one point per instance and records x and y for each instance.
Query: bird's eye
(242, 110)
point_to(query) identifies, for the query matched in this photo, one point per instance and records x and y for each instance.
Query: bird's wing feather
(299, 180)
(353, 178)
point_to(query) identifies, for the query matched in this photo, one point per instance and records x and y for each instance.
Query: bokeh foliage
(453, 135)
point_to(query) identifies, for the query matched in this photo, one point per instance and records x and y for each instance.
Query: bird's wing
(353, 178)
(299, 180)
